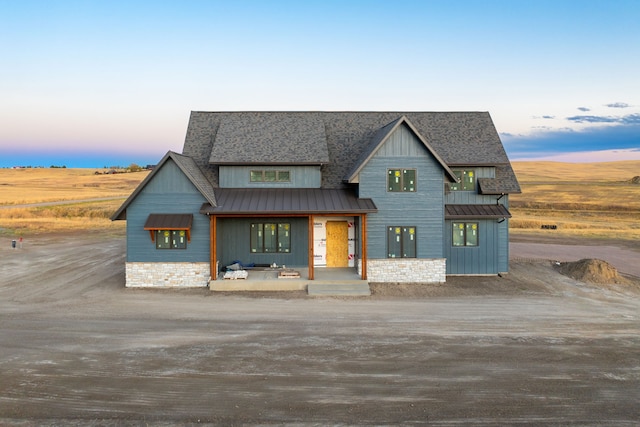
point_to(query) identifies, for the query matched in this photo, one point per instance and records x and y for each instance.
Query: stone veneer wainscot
(406, 270)
(167, 275)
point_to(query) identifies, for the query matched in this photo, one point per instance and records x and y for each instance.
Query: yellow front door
(337, 244)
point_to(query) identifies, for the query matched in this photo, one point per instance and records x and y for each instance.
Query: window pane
(269, 176)
(394, 242)
(458, 234)
(395, 180)
(178, 239)
(468, 180)
(409, 242)
(283, 176)
(409, 180)
(270, 238)
(454, 186)
(472, 234)
(284, 238)
(163, 239)
(255, 176)
(256, 238)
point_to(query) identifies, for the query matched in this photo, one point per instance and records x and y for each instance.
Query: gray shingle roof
(459, 138)
(499, 185)
(259, 138)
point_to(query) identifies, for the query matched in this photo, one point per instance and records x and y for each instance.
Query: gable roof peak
(187, 165)
(382, 135)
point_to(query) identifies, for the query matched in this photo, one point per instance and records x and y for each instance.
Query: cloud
(624, 136)
(592, 119)
(618, 105)
(631, 119)
(584, 109)
(548, 117)
(628, 119)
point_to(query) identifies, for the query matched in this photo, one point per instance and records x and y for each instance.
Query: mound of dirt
(592, 271)
(635, 180)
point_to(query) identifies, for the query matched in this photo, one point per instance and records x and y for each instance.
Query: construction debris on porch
(288, 274)
(235, 274)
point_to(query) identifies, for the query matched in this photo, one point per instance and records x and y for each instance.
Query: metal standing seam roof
(168, 222)
(476, 211)
(271, 201)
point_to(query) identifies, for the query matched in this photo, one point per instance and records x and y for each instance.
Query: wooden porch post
(213, 223)
(363, 239)
(310, 247)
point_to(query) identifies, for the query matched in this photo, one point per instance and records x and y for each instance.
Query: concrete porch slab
(337, 281)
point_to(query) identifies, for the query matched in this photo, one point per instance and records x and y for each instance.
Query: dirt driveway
(624, 259)
(534, 347)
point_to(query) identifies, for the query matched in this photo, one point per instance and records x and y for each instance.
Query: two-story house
(397, 196)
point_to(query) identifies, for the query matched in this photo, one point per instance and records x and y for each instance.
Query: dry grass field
(584, 200)
(28, 197)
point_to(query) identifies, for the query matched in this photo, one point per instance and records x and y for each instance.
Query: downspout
(497, 203)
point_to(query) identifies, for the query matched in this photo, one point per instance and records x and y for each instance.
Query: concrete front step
(258, 285)
(313, 288)
(334, 289)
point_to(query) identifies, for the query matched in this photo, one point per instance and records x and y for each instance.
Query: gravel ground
(533, 347)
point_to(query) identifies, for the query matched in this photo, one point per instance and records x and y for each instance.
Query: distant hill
(621, 171)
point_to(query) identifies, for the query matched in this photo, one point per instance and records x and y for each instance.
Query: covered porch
(301, 208)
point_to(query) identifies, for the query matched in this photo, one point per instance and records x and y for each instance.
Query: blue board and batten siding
(491, 256)
(300, 177)
(422, 209)
(169, 192)
(503, 246)
(481, 259)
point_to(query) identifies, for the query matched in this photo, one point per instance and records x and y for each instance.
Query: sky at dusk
(101, 83)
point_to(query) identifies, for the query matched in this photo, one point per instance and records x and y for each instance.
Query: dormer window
(467, 180)
(270, 176)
